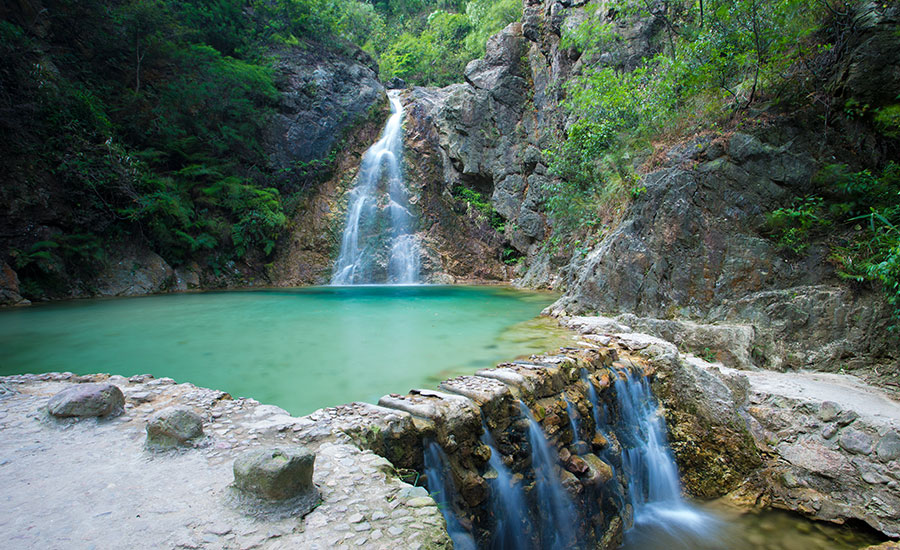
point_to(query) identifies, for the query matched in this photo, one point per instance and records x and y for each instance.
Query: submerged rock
(173, 426)
(275, 474)
(85, 400)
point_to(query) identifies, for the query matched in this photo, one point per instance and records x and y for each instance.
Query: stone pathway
(90, 483)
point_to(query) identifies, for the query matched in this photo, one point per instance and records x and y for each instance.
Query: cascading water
(573, 419)
(441, 488)
(557, 512)
(512, 528)
(653, 485)
(378, 244)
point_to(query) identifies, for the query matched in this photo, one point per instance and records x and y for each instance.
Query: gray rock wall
(323, 95)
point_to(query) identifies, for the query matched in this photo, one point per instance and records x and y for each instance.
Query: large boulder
(134, 271)
(275, 473)
(173, 426)
(86, 400)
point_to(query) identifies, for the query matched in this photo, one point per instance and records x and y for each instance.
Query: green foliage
(433, 46)
(481, 206)
(511, 256)
(150, 115)
(473, 198)
(867, 206)
(715, 57)
(794, 226)
(887, 120)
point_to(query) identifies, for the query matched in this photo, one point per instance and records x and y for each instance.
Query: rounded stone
(173, 426)
(274, 473)
(889, 447)
(85, 400)
(856, 442)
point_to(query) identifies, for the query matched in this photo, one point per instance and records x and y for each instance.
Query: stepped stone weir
(378, 244)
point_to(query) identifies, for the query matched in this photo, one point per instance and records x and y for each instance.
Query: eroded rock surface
(825, 445)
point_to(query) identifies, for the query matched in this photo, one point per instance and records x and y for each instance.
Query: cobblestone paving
(91, 484)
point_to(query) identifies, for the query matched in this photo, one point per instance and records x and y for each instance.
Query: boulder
(173, 426)
(134, 271)
(9, 287)
(889, 447)
(84, 400)
(275, 473)
(598, 472)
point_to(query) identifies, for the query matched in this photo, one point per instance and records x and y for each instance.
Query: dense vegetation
(432, 46)
(719, 64)
(144, 119)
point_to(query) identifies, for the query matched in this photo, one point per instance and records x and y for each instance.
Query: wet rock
(710, 439)
(84, 400)
(173, 426)
(599, 442)
(581, 447)
(599, 472)
(473, 489)
(322, 95)
(187, 277)
(395, 83)
(856, 442)
(275, 474)
(577, 465)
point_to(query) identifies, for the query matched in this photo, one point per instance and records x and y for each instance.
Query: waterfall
(378, 244)
(512, 528)
(441, 488)
(557, 512)
(573, 419)
(653, 484)
(597, 413)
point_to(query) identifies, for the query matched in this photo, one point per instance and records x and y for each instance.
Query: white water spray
(378, 244)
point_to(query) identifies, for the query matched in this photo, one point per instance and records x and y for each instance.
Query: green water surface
(300, 349)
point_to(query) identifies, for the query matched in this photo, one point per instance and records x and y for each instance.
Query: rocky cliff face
(458, 244)
(691, 246)
(323, 96)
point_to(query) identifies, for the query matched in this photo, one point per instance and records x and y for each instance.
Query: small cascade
(654, 488)
(573, 419)
(378, 244)
(512, 528)
(441, 488)
(557, 512)
(599, 414)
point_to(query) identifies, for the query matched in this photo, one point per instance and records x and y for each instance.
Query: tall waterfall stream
(378, 244)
